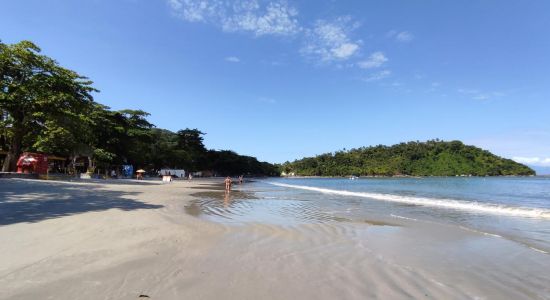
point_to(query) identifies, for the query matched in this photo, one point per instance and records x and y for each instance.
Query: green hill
(430, 158)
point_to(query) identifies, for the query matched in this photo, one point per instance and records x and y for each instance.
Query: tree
(190, 144)
(45, 107)
(39, 97)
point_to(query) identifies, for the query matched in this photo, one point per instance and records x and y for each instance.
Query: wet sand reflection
(241, 206)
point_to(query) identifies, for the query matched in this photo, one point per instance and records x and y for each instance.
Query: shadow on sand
(31, 201)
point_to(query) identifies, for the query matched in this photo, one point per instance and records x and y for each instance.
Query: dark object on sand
(143, 296)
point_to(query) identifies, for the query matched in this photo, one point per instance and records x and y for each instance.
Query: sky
(281, 80)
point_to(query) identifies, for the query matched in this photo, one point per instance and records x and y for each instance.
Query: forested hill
(431, 158)
(47, 108)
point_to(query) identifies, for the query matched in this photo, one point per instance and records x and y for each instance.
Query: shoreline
(416, 176)
(81, 240)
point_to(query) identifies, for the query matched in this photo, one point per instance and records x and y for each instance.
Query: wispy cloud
(378, 76)
(324, 41)
(480, 95)
(530, 146)
(404, 36)
(330, 40)
(375, 60)
(535, 161)
(274, 18)
(232, 59)
(400, 36)
(267, 100)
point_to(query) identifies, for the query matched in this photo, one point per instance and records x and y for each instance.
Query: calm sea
(515, 208)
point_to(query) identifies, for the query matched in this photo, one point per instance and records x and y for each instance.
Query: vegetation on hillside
(431, 158)
(47, 108)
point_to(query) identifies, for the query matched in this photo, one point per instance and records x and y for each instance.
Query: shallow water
(513, 208)
(447, 238)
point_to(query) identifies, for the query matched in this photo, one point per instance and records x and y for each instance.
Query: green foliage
(45, 107)
(185, 149)
(39, 96)
(431, 158)
(227, 162)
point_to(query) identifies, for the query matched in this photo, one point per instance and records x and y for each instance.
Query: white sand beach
(135, 240)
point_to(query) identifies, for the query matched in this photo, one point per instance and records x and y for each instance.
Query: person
(241, 179)
(113, 174)
(228, 183)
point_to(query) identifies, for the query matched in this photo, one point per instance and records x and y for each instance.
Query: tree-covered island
(430, 158)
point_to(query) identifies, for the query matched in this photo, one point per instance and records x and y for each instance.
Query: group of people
(229, 182)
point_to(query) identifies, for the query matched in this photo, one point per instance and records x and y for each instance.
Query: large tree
(191, 149)
(38, 97)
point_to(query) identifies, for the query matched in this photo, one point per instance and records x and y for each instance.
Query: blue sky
(285, 79)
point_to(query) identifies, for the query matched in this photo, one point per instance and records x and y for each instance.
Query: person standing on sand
(228, 183)
(241, 179)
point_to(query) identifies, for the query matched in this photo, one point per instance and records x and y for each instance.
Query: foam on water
(538, 213)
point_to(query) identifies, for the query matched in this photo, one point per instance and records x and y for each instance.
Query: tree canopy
(430, 158)
(39, 100)
(47, 108)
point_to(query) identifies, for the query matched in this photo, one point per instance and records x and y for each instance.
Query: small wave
(480, 232)
(538, 250)
(538, 213)
(510, 239)
(401, 217)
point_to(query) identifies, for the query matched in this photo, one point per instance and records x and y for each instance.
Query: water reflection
(226, 200)
(237, 206)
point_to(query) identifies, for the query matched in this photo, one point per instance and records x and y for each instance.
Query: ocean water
(513, 208)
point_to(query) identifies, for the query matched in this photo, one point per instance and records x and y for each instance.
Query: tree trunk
(10, 163)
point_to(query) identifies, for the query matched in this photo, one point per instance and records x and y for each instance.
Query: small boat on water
(353, 177)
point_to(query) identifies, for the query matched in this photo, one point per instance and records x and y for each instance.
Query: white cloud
(197, 10)
(529, 146)
(232, 59)
(275, 18)
(375, 60)
(481, 95)
(403, 36)
(468, 91)
(345, 50)
(330, 41)
(535, 161)
(377, 76)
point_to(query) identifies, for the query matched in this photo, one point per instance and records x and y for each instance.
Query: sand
(140, 240)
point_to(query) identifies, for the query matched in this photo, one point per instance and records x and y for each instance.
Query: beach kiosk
(32, 163)
(166, 178)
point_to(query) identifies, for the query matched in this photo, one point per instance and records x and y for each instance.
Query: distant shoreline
(410, 176)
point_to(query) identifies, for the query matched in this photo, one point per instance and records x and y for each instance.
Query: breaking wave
(471, 206)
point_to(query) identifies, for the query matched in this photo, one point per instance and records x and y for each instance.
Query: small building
(30, 162)
(172, 172)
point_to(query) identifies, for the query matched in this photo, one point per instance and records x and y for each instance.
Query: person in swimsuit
(228, 183)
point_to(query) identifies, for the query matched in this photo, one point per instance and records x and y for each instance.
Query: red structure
(32, 163)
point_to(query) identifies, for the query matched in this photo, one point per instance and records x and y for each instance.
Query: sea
(512, 208)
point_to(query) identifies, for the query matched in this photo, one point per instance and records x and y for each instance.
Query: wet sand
(124, 239)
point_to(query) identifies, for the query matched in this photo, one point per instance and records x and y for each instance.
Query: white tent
(173, 172)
